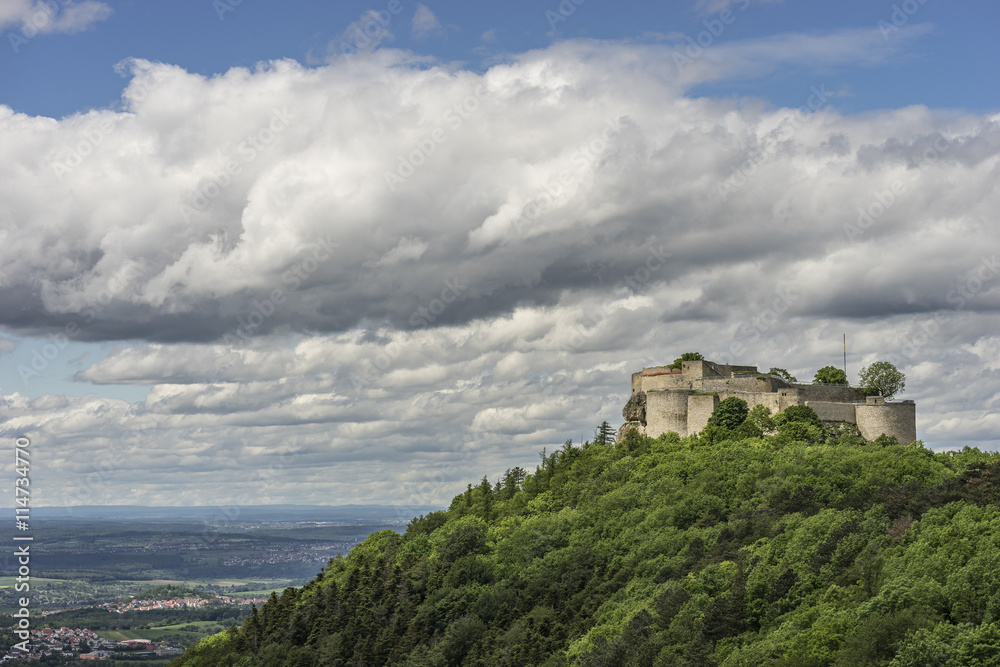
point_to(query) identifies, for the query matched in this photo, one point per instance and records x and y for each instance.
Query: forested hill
(775, 550)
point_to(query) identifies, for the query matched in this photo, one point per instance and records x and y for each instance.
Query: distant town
(88, 645)
(179, 603)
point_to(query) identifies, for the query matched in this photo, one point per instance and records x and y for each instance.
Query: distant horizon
(365, 505)
(285, 512)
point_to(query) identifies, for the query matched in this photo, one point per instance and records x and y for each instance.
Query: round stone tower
(897, 419)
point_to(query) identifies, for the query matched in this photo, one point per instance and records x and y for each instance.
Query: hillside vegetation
(795, 549)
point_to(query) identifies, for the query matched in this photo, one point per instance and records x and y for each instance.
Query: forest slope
(774, 550)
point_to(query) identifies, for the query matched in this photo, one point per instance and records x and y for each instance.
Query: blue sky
(950, 66)
(221, 237)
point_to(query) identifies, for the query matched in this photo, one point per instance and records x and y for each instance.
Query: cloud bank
(413, 273)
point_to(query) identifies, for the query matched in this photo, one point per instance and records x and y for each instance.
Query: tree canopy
(798, 413)
(881, 378)
(729, 413)
(830, 375)
(782, 373)
(775, 550)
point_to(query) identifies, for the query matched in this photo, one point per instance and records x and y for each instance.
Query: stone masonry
(665, 399)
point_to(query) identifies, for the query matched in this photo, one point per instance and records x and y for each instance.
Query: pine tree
(604, 434)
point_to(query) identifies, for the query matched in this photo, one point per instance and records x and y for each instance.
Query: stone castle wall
(898, 420)
(667, 411)
(829, 411)
(682, 401)
(700, 408)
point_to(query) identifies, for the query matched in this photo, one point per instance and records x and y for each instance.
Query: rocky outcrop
(635, 409)
(625, 429)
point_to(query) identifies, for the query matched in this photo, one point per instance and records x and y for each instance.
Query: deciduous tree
(830, 375)
(882, 379)
(729, 413)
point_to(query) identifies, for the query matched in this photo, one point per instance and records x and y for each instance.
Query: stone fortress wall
(682, 400)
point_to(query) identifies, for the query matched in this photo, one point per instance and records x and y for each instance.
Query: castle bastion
(665, 399)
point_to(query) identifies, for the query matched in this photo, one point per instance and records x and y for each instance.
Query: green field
(7, 582)
(167, 633)
(271, 584)
(195, 583)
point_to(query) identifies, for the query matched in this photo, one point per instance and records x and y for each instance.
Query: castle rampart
(665, 399)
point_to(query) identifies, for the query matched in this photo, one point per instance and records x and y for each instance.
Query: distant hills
(790, 550)
(251, 513)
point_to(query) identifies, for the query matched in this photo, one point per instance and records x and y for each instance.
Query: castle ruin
(665, 399)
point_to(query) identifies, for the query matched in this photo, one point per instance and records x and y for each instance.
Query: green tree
(782, 373)
(633, 442)
(729, 413)
(687, 356)
(885, 441)
(830, 375)
(799, 431)
(798, 413)
(604, 434)
(882, 379)
(760, 416)
(512, 479)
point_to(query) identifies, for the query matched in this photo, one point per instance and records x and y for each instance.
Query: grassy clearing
(257, 594)
(154, 634)
(7, 582)
(199, 624)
